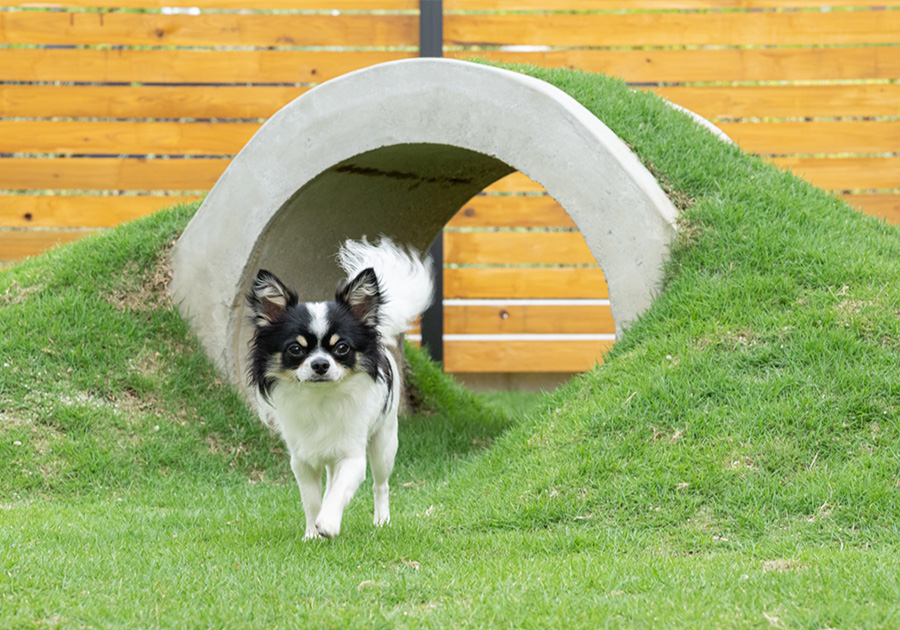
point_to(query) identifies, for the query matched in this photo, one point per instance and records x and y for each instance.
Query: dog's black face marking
(361, 339)
(292, 337)
(274, 346)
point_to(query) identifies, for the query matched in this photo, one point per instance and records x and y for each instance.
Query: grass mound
(761, 391)
(102, 384)
(734, 462)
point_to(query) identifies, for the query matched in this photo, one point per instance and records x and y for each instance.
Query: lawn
(734, 463)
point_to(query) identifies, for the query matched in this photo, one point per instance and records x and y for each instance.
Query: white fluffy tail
(404, 279)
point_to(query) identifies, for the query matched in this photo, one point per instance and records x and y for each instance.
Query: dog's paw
(311, 535)
(382, 517)
(328, 527)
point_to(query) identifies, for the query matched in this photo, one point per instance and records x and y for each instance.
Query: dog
(324, 375)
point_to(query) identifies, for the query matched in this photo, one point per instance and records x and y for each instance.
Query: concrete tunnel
(397, 149)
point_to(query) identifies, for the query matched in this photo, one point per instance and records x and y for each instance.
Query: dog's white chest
(325, 422)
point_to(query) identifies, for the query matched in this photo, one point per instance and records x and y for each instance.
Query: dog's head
(312, 343)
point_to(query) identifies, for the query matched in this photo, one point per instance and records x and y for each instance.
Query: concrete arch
(397, 149)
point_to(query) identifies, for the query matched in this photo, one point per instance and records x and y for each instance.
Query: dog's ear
(268, 298)
(363, 296)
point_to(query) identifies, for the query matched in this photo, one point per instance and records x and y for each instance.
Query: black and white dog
(325, 377)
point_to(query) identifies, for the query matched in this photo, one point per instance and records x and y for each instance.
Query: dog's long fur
(324, 375)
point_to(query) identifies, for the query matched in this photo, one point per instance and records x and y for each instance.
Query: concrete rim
(397, 149)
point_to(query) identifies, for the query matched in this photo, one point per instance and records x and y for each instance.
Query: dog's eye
(294, 350)
(342, 349)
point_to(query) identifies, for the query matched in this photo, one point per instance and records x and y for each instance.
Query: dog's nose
(319, 366)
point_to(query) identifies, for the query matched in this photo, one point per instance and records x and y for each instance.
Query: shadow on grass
(448, 422)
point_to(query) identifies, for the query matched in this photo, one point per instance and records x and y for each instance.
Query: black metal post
(431, 44)
(431, 28)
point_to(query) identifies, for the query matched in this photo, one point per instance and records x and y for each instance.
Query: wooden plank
(727, 64)
(132, 138)
(212, 29)
(871, 136)
(148, 101)
(18, 244)
(253, 5)
(185, 66)
(569, 318)
(229, 66)
(511, 211)
(79, 210)
(523, 356)
(783, 101)
(885, 206)
(659, 5)
(155, 101)
(673, 29)
(109, 174)
(514, 248)
(514, 183)
(525, 282)
(845, 173)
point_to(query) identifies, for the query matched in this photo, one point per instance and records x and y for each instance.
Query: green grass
(735, 463)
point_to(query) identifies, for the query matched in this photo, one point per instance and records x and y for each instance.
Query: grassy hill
(734, 463)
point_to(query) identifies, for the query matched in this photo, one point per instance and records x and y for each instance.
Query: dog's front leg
(345, 477)
(381, 450)
(309, 479)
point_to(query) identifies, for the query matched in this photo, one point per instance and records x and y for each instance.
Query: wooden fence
(110, 109)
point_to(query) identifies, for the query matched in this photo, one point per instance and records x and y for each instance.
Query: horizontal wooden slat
(256, 5)
(509, 211)
(787, 100)
(674, 29)
(148, 101)
(18, 244)
(712, 102)
(79, 210)
(213, 29)
(525, 282)
(514, 183)
(185, 66)
(816, 137)
(516, 248)
(133, 138)
(617, 5)
(885, 206)
(272, 66)
(765, 64)
(109, 174)
(523, 356)
(845, 173)
(570, 318)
